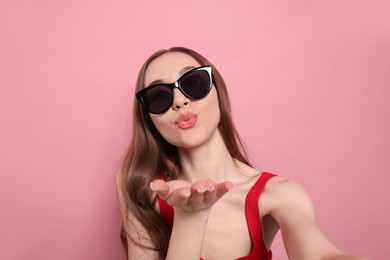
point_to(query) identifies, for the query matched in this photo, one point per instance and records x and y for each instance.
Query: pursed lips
(186, 120)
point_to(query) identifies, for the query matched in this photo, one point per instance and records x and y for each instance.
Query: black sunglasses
(194, 84)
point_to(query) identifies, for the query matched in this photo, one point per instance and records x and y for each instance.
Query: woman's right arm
(192, 203)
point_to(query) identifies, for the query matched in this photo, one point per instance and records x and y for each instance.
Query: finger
(211, 191)
(161, 188)
(197, 194)
(223, 187)
(179, 197)
(175, 184)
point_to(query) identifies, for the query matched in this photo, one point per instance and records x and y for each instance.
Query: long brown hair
(150, 157)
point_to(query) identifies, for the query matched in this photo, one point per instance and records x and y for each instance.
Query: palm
(191, 197)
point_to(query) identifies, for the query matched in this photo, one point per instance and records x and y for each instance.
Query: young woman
(186, 189)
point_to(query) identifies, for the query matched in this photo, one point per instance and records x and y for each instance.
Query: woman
(186, 189)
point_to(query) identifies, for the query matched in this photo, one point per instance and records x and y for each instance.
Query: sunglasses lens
(196, 84)
(158, 99)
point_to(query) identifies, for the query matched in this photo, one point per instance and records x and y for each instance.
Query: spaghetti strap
(259, 250)
(252, 205)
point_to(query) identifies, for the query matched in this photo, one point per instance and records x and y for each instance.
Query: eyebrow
(181, 72)
(185, 69)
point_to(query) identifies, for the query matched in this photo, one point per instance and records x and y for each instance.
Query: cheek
(168, 132)
(166, 129)
(160, 124)
(211, 108)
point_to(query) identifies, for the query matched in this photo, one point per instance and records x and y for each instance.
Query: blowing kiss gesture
(190, 198)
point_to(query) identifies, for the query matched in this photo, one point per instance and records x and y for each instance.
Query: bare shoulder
(286, 197)
(290, 205)
(281, 186)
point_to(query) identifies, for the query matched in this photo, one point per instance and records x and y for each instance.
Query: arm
(192, 204)
(192, 208)
(294, 213)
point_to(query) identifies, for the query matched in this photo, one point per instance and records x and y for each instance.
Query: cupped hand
(191, 197)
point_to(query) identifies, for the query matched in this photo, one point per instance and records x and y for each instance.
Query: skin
(214, 184)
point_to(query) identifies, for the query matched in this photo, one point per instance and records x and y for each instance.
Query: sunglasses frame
(176, 84)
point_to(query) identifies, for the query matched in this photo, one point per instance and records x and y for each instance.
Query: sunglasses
(194, 84)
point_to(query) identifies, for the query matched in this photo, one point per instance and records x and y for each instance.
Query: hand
(191, 198)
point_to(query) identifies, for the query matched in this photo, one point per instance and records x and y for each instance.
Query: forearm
(187, 237)
(192, 205)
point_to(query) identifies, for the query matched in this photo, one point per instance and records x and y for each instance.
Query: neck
(210, 160)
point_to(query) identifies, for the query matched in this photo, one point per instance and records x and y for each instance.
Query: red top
(259, 250)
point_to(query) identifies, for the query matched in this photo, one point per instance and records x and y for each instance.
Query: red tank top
(259, 250)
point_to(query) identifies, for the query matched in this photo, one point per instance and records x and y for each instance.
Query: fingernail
(210, 188)
(201, 189)
(186, 194)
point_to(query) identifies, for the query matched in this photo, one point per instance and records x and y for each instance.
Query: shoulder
(286, 198)
(282, 187)
(291, 207)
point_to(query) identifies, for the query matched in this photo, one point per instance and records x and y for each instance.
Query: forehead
(168, 67)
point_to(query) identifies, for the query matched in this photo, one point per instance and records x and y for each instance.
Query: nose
(180, 101)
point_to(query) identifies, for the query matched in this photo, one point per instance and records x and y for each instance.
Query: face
(188, 123)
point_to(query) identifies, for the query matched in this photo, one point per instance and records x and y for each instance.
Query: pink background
(309, 83)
